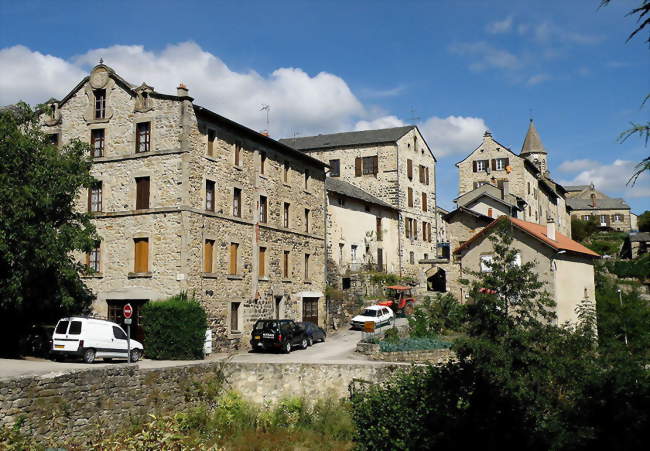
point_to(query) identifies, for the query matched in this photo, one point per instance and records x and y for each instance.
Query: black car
(314, 332)
(280, 334)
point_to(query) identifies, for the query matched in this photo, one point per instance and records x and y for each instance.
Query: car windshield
(369, 312)
(262, 325)
(62, 327)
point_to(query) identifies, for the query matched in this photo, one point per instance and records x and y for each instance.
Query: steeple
(532, 142)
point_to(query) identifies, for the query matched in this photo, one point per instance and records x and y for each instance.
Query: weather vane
(266, 108)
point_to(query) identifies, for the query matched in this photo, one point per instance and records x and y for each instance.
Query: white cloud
(380, 122)
(486, 56)
(537, 79)
(453, 134)
(609, 178)
(500, 26)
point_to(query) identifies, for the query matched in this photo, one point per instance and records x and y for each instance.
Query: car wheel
(310, 341)
(89, 355)
(58, 358)
(287, 347)
(304, 343)
(135, 355)
(322, 340)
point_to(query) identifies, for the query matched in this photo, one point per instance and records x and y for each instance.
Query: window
(285, 265)
(306, 179)
(75, 328)
(414, 232)
(211, 136)
(306, 266)
(234, 316)
(412, 257)
(262, 162)
(603, 219)
(95, 197)
(424, 231)
(486, 261)
(517, 261)
(410, 197)
(379, 230)
(236, 202)
(237, 154)
(407, 227)
(618, 218)
(141, 261)
(53, 139)
(480, 183)
(353, 253)
(335, 168)
(366, 166)
(341, 246)
(306, 220)
(209, 195)
(261, 262)
(480, 165)
(62, 327)
(424, 201)
(141, 193)
(208, 255)
(93, 258)
(409, 169)
(426, 256)
(143, 137)
(100, 103)
(499, 164)
(263, 209)
(286, 172)
(287, 209)
(97, 142)
(234, 247)
(424, 175)
(585, 217)
(119, 334)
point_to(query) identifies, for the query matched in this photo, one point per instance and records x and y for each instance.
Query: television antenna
(266, 108)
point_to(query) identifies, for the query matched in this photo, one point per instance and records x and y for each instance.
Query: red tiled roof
(538, 231)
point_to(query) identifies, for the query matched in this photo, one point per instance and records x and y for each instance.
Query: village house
(396, 166)
(609, 213)
(564, 265)
(527, 190)
(189, 201)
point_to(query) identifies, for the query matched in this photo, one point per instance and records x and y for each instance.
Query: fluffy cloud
(500, 26)
(609, 178)
(537, 79)
(486, 56)
(300, 103)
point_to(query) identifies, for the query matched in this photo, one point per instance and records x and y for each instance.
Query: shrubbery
(436, 315)
(174, 329)
(639, 268)
(413, 344)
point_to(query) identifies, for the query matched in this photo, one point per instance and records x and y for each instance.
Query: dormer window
(100, 103)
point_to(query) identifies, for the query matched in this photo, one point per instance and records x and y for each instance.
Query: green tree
(644, 221)
(39, 226)
(581, 230)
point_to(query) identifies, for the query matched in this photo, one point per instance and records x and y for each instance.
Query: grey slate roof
(383, 135)
(341, 187)
(640, 236)
(490, 191)
(601, 204)
(532, 142)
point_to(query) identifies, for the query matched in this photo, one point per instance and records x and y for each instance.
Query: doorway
(438, 281)
(310, 310)
(115, 307)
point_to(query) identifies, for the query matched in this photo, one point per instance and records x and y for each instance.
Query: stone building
(396, 166)
(360, 230)
(526, 174)
(564, 265)
(587, 202)
(189, 201)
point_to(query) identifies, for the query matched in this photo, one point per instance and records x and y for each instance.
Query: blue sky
(454, 67)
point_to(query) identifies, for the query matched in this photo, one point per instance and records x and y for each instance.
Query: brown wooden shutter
(375, 165)
(415, 229)
(507, 162)
(142, 193)
(474, 166)
(208, 255)
(379, 231)
(410, 197)
(424, 201)
(407, 227)
(493, 162)
(233, 258)
(427, 175)
(141, 263)
(357, 167)
(429, 233)
(409, 169)
(262, 262)
(90, 198)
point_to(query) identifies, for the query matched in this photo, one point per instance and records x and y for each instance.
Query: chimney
(593, 200)
(264, 133)
(182, 91)
(550, 229)
(505, 189)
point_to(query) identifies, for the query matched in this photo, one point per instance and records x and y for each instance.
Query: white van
(91, 338)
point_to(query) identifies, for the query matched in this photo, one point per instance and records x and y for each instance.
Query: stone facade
(398, 180)
(609, 213)
(207, 180)
(494, 163)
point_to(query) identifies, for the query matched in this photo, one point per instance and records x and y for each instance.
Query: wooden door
(310, 310)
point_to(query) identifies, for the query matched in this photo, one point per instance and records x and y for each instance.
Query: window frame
(141, 255)
(95, 197)
(236, 202)
(100, 103)
(335, 167)
(97, 142)
(210, 194)
(143, 137)
(140, 184)
(208, 256)
(263, 209)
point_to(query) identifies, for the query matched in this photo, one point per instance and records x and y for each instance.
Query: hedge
(414, 344)
(174, 329)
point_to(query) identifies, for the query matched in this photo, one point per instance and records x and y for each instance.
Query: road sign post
(127, 312)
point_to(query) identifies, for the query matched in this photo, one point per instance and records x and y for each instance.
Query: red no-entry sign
(127, 311)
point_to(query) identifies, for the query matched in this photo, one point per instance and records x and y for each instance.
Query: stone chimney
(505, 189)
(182, 91)
(550, 229)
(593, 200)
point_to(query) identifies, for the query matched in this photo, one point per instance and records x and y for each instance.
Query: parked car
(91, 338)
(378, 314)
(37, 342)
(278, 334)
(314, 332)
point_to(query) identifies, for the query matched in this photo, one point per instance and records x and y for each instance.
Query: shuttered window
(97, 140)
(379, 230)
(261, 266)
(426, 170)
(142, 193)
(424, 201)
(209, 195)
(407, 227)
(234, 247)
(480, 165)
(141, 261)
(211, 136)
(263, 209)
(236, 202)
(234, 316)
(409, 169)
(285, 264)
(143, 137)
(410, 197)
(208, 255)
(335, 168)
(357, 167)
(366, 166)
(414, 235)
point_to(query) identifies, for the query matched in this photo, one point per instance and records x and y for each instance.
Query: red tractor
(400, 299)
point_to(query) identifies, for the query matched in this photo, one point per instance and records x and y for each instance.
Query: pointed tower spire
(532, 142)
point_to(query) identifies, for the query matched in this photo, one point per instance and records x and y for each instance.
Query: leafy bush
(383, 278)
(434, 316)
(581, 230)
(604, 247)
(413, 344)
(174, 329)
(391, 335)
(639, 268)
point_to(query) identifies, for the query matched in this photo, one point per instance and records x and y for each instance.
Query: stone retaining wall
(85, 403)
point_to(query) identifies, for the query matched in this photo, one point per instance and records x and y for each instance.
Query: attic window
(100, 103)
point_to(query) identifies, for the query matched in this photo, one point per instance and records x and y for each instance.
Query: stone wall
(81, 404)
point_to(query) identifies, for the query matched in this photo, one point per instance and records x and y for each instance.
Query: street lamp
(620, 299)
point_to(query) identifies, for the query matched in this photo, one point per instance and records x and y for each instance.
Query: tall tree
(39, 226)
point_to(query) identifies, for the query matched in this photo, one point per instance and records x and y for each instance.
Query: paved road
(338, 348)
